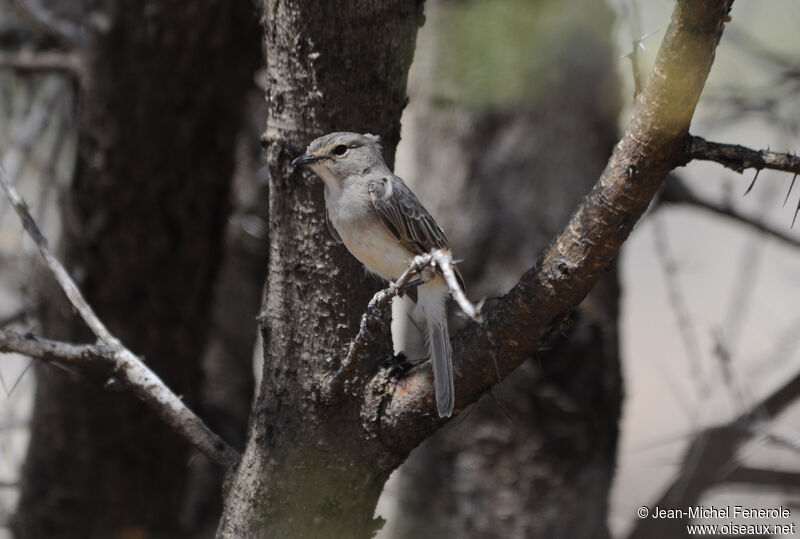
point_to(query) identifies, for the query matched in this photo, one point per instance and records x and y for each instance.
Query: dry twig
(68, 34)
(47, 350)
(712, 458)
(676, 192)
(42, 61)
(144, 383)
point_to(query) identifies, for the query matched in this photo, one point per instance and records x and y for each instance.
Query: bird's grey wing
(406, 218)
(404, 215)
(331, 228)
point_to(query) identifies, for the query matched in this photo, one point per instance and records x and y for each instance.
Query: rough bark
(142, 229)
(518, 464)
(311, 469)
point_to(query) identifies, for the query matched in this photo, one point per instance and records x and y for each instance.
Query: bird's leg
(400, 364)
(410, 286)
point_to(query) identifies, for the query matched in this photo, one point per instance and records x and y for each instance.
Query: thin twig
(377, 313)
(383, 298)
(676, 192)
(48, 350)
(444, 260)
(42, 61)
(680, 307)
(739, 158)
(67, 33)
(144, 383)
(713, 457)
(631, 9)
(25, 133)
(762, 477)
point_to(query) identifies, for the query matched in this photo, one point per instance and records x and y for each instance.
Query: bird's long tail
(432, 305)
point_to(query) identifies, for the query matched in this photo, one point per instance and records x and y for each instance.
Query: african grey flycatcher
(384, 225)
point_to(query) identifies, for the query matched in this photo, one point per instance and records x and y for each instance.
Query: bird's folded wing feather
(403, 214)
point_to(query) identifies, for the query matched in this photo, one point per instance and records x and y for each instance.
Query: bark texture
(142, 229)
(536, 458)
(311, 468)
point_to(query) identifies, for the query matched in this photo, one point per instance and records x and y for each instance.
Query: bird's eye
(340, 149)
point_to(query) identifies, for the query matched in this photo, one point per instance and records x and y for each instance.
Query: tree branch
(653, 144)
(676, 192)
(444, 261)
(777, 479)
(711, 459)
(47, 350)
(24, 134)
(68, 34)
(144, 383)
(37, 61)
(739, 158)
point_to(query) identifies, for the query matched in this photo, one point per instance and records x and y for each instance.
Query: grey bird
(384, 225)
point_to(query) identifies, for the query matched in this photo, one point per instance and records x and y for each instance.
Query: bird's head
(337, 156)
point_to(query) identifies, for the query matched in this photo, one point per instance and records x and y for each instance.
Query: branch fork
(144, 383)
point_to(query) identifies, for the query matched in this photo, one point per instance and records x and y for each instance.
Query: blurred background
(675, 385)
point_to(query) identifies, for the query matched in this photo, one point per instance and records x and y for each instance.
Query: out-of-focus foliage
(491, 53)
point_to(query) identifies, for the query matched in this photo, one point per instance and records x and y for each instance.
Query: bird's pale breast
(375, 247)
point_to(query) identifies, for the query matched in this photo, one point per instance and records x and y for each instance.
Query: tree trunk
(142, 230)
(313, 467)
(507, 177)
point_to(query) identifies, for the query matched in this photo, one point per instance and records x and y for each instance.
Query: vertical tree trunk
(143, 221)
(311, 468)
(536, 458)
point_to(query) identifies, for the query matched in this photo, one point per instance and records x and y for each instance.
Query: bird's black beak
(305, 159)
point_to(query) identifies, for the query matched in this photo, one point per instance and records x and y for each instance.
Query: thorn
(640, 41)
(752, 183)
(791, 185)
(19, 379)
(795, 214)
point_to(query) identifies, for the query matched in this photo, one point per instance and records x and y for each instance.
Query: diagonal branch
(651, 147)
(777, 479)
(144, 383)
(68, 34)
(444, 260)
(712, 458)
(676, 192)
